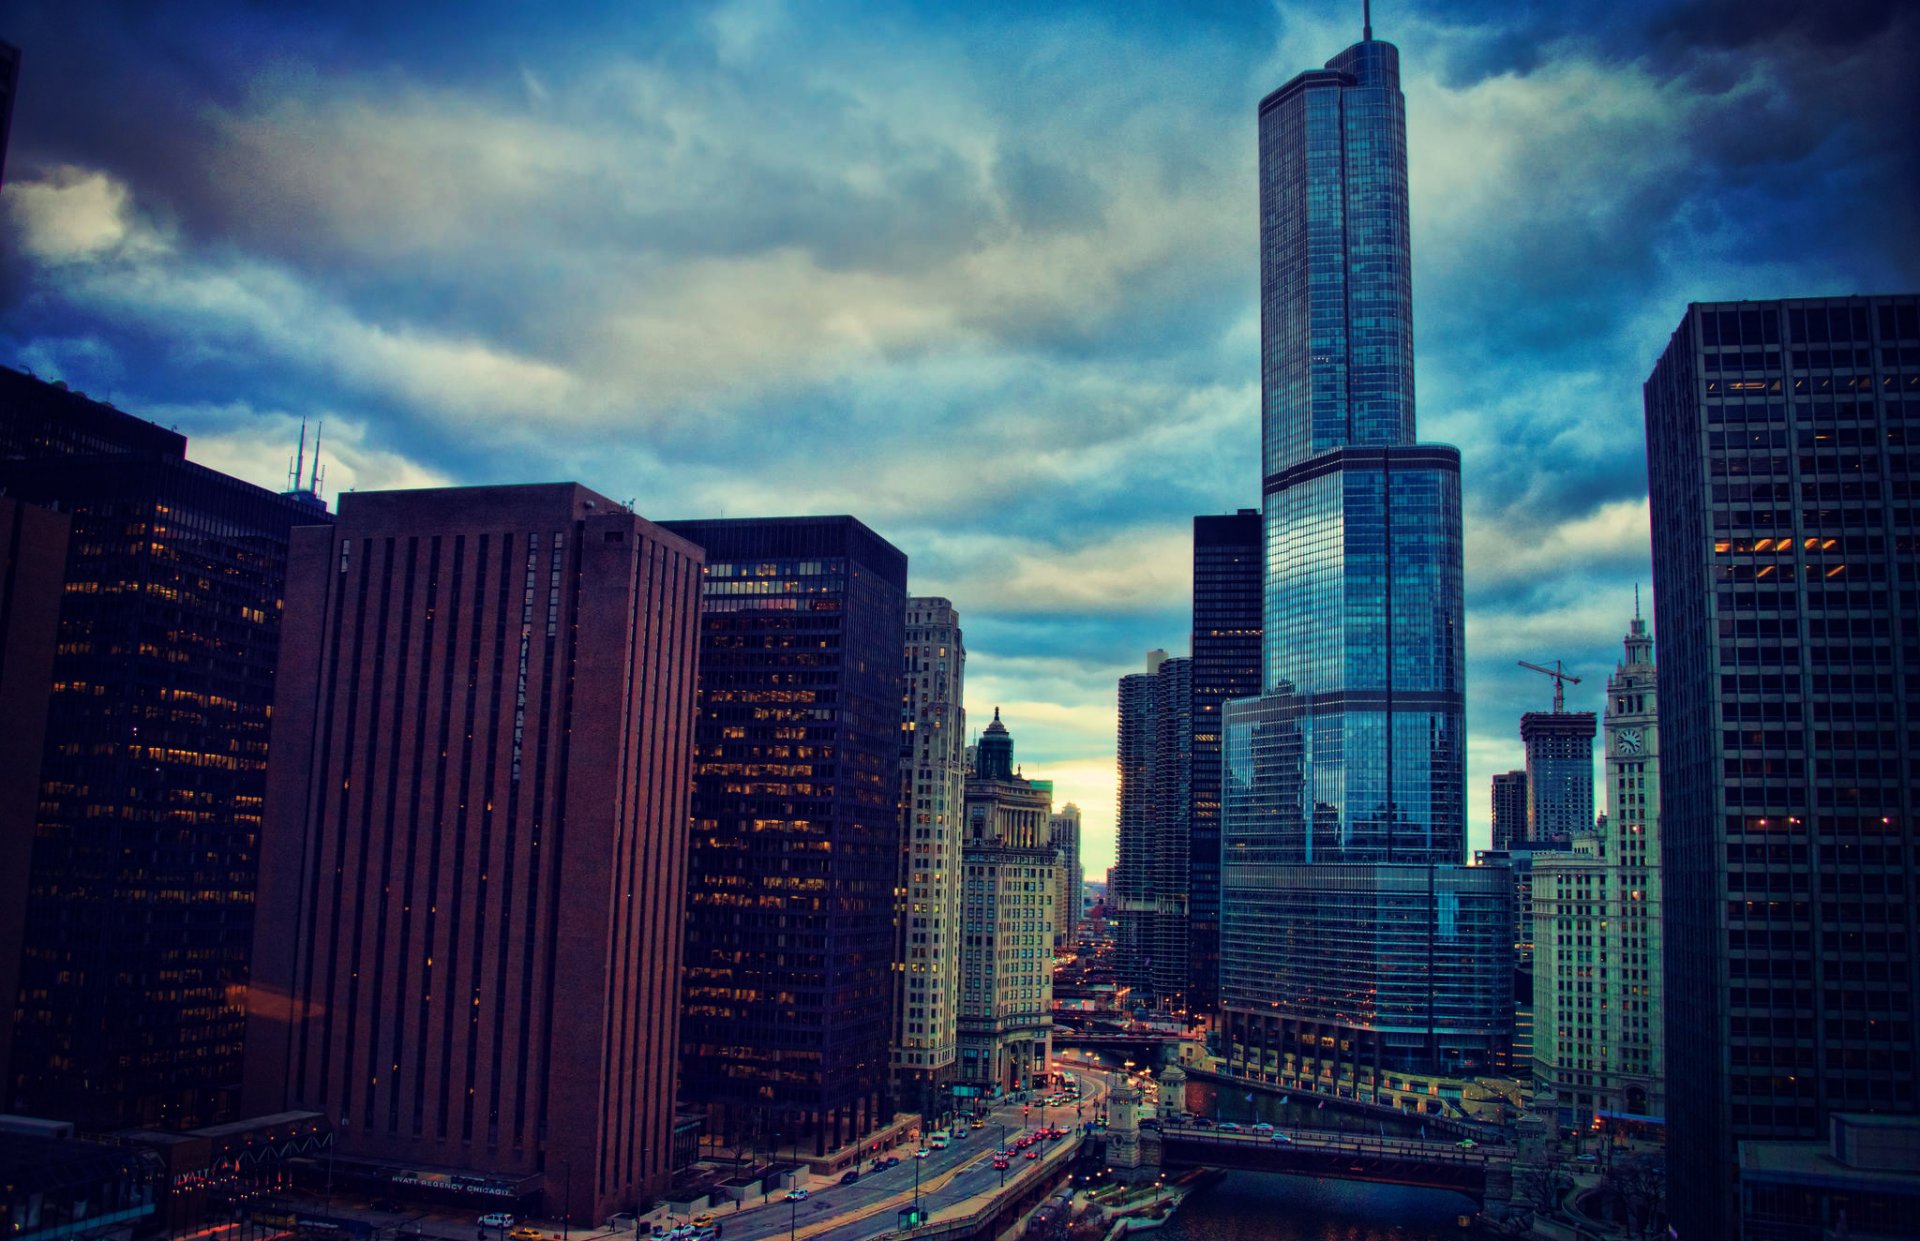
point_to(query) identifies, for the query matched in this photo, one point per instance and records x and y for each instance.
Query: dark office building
(796, 833)
(1151, 874)
(1559, 785)
(1509, 809)
(33, 562)
(140, 895)
(1227, 575)
(1355, 946)
(472, 890)
(1785, 510)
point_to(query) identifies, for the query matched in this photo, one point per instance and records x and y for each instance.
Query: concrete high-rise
(474, 874)
(1356, 948)
(787, 1033)
(1227, 578)
(1559, 747)
(933, 774)
(1785, 509)
(1006, 996)
(1596, 923)
(140, 896)
(1063, 829)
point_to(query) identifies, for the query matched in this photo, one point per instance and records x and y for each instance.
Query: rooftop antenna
(318, 472)
(299, 461)
(1366, 21)
(1636, 601)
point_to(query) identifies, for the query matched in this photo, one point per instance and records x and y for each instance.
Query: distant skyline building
(1358, 953)
(933, 771)
(1784, 514)
(789, 995)
(1509, 809)
(140, 898)
(1228, 572)
(1559, 748)
(1151, 881)
(1006, 997)
(1597, 959)
(474, 871)
(1063, 829)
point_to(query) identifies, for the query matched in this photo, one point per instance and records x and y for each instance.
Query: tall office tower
(473, 873)
(933, 793)
(1784, 516)
(1597, 927)
(140, 898)
(789, 1001)
(1063, 829)
(1355, 946)
(33, 561)
(1509, 809)
(1559, 746)
(1006, 995)
(1155, 797)
(1227, 575)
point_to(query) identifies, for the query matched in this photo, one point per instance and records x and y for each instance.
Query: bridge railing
(1411, 1149)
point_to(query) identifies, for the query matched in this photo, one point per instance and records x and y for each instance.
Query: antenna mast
(1366, 20)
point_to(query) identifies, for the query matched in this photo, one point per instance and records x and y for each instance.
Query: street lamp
(566, 1208)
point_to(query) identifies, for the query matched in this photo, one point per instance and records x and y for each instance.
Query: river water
(1265, 1206)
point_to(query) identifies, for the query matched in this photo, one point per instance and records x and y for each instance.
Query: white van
(938, 1139)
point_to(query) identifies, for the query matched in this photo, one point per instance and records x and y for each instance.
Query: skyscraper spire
(1366, 21)
(314, 484)
(299, 460)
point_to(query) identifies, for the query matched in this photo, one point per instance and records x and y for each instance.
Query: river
(1265, 1206)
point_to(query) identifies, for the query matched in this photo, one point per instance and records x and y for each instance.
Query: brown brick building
(473, 879)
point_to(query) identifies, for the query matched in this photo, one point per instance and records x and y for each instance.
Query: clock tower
(1599, 1017)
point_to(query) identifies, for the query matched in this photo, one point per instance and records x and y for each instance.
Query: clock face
(1630, 741)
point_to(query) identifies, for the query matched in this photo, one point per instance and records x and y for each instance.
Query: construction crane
(1559, 674)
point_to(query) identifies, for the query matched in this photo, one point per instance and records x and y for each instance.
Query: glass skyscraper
(1353, 944)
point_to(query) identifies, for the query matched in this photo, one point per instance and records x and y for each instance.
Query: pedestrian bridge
(1428, 1163)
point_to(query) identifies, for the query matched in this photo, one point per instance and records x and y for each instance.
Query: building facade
(1063, 830)
(789, 1002)
(1784, 514)
(33, 562)
(1596, 922)
(933, 745)
(474, 873)
(1227, 602)
(1006, 986)
(140, 898)
(1559, 746)
(1356, 946)
(1509, 809)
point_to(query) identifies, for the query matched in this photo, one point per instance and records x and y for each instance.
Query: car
(960, 1134)
(1263, 1127)
(1005, 1154)
(1203, 1122)
(524, 1232)
(797, 1195)
(1001, 1164)
(891, 1161)
(978, 1123)
(852, 1175)
(1279, 1137)
(1033, 1154)
(922, 1153)
(1467, 1144)
(496, 1220)
(1229, 1126)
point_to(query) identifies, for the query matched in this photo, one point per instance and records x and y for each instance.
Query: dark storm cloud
(985, 275)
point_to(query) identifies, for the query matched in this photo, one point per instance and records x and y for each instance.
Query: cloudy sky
(982, 275)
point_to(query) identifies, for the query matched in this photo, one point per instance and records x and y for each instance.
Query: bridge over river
(1480, 1172)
